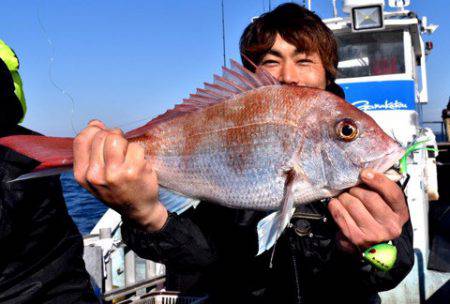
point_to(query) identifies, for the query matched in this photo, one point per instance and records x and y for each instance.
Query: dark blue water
(84, 208)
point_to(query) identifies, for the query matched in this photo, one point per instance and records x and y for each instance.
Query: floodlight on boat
(367, 18)
(365, 14)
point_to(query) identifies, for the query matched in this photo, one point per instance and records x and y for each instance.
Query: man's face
(289, 66)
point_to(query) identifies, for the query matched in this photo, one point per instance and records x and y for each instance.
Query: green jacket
(12, 62)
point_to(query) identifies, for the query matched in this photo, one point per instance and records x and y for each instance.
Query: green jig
(415, 147)
(382, 256)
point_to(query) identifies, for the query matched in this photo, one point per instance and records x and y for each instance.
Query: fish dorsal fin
(234, 80)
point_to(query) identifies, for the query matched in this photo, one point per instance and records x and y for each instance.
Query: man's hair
(297, 26)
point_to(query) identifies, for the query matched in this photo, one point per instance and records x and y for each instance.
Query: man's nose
(289, 74)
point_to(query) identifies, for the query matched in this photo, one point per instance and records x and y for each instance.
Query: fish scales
(246, 141)
(232, 152)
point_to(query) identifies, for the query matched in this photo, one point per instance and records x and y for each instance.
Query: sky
(125, 62)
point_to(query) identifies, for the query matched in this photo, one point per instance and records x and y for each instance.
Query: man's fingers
(114, 151)
(95, 172)
(374, 204)
(117, 131)
(81, 153)
(96, 123)
(345, 222)
(390, 191)
(358, 212)
(135, 158)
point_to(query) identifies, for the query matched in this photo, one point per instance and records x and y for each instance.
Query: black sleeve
(371, 280)
(180, 244)
(405, 260)
(199, 239)
(10, 108)
(41, 257)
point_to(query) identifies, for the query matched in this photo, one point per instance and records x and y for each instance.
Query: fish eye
(346, 130)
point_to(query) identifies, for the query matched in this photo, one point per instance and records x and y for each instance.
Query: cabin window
(370, 54)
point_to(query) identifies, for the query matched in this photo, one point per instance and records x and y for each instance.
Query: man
(446, 119)
(212, 249)
(12, 62)
(40, 247)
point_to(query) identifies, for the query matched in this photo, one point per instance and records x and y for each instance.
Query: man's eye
(304, 61)
(269, 62)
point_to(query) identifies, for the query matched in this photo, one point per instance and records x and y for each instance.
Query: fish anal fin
(41, 173)
(175, 202)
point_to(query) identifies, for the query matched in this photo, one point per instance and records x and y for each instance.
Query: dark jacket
(41, 249)
(212, 250)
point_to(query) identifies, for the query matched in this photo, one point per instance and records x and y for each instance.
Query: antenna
(223, 37)
(309, 4)
(335, 12)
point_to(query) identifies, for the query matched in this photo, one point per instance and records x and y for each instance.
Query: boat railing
(116, 271)
(443, 134)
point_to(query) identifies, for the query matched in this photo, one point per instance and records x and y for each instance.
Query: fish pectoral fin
(270, 228)
(175, 202)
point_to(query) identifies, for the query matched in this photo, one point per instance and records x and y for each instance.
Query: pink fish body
(233, 142)
(236, 152)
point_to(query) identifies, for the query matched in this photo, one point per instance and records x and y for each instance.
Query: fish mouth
(388, 163)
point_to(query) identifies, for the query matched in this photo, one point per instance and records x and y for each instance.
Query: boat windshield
(370, 54)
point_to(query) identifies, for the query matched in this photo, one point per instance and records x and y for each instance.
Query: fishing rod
(223, 36)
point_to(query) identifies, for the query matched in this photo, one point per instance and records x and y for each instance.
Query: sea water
(84, 208)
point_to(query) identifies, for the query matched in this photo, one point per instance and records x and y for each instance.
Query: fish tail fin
(54, 154)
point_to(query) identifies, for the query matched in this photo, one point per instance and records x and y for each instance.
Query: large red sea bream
(248, 142)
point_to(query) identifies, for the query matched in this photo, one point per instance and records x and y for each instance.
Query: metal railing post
(130, 267)
(105, 233)
(149, 269)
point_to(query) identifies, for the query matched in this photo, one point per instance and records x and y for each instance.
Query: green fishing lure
(414, 147)
(382, 256)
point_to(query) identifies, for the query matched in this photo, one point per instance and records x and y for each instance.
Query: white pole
(105, 233)
(335, 13)
(130, 267)
(309, 4)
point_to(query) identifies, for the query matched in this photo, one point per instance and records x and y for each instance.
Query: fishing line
(50, 69)
(145, 119)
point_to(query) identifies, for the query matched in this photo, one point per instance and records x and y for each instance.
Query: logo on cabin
(365, 105)
(396, 95)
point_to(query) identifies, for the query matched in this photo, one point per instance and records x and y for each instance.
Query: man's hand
(369, 214)
(117, 173)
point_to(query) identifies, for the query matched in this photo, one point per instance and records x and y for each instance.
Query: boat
(383, 71)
